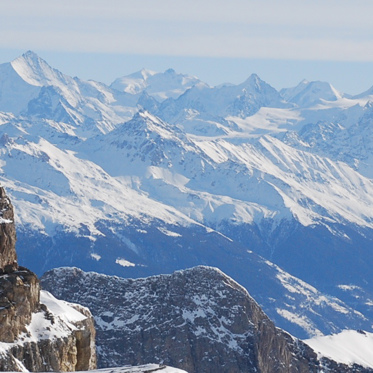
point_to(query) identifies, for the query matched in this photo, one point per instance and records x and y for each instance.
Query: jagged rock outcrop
(199, 320)
(37, 332)
(8, 255)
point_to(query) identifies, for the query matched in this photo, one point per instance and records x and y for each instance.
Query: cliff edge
(37, 331)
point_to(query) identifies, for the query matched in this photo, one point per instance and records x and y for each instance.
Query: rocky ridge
(37, 332)
(199, 320)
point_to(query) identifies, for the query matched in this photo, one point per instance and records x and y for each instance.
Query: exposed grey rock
(85, 336)
(19, 299)
(19, 287)
(199, 320)
(8, 255)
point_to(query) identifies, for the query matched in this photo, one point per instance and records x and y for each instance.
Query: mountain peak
(254, 82)
(142, 74)
(161, 86)
(33, 69)
(29, 58)
(30, 55)
(253, 79)
(254, 76)
(365, 94)
(308, 93)
(170, 71)
(36, 73)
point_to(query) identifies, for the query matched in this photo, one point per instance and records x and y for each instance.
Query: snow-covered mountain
(241, 100)
(160, 172)
(307, 93)
(158, 85)
(29, 86)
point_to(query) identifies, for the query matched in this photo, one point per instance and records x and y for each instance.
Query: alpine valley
(160, 172)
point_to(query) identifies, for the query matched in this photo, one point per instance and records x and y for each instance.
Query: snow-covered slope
(253, 177)
(347, 138)
(348, 347)
(15, 93)
(66, 316)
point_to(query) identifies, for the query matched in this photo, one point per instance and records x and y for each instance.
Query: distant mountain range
(159, 172)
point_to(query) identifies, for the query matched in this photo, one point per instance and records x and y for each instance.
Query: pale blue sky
(216, 40)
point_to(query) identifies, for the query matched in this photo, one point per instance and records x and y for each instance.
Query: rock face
(19, 299)
(8, 255)
(37, 334)
(199, 320)
(19, 287)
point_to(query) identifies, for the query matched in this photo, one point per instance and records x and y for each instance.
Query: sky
(217, 40)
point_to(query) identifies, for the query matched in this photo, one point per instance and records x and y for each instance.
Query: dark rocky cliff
(33, 337)
(199, 320)
(8, 255)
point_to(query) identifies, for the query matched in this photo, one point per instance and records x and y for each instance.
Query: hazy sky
(219, 41)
